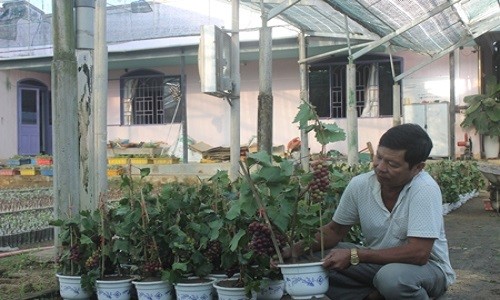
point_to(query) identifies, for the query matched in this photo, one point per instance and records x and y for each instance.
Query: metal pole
(100, 92)
(304, 96)
(235, 94)
(185, 136)
(396, 104)
(451, 108)
(64, 112)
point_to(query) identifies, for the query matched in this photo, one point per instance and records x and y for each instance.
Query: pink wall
(209, 117)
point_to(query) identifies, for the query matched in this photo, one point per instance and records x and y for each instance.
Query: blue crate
(47, 172)
(18, 161)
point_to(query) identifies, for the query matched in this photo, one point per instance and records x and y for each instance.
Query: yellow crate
(115, 172)
(208, 161)
(118, 160)
(29, 172)
(165, 160)
(140, 161)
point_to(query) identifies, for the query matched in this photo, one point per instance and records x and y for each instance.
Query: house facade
(147, 97)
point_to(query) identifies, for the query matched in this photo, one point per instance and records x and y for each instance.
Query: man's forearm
(332, 234)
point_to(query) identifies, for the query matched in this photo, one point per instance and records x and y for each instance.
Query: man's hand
(337, 259)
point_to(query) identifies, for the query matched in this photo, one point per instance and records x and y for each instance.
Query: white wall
(433, 83)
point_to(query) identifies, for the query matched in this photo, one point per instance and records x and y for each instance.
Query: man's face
(391, 168)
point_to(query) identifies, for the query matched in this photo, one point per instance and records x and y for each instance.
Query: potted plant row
(84, 254)
(217, 233)
(164, 237)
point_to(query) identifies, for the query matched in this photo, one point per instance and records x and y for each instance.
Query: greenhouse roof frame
(357, 27)
(431, 27)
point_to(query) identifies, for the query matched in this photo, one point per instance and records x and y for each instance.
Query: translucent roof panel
(425, 26)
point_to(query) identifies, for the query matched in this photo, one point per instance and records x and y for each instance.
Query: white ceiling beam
(463, 16)
(326, 54)
(338, 35)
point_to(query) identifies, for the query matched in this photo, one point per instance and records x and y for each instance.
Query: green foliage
(281, 190)
(483, 112)
(456, 177)
(142, 228)
(81, 240)
(197, 215)
(309, 121)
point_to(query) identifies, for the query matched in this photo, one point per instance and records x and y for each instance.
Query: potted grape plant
(291, 202)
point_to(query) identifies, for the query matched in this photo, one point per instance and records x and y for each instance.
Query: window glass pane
(319, 85)
(172, 98)
(338, 91)
(151, 99)
(327, 86)
(385, 87)
(29, 107)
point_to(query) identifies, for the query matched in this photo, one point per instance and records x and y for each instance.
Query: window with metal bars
(149, 97)
(327, 87)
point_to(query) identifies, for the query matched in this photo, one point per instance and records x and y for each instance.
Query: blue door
(34, 120)
(29, 122)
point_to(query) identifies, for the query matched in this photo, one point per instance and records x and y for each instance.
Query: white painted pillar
(352, 116)
(235, 94)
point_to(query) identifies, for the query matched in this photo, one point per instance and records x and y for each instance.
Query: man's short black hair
(410, 137)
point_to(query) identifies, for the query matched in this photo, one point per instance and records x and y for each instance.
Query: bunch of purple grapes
(214, 252)
(231, 271)
(150, 268)
(261, 241)
(93, 261)
(74, 253)
(321, 181)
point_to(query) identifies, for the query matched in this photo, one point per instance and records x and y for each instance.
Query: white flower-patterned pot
(271, 289)
(157, 290)
(109, 289)
(230, 293)
(70, 287)
(200, 289)
(305, 280)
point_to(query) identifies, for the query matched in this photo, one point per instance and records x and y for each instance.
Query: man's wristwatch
(354, 257)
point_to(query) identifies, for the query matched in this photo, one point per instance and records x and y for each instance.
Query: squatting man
(398, 206)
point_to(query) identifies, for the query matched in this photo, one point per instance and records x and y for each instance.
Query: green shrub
(456, 177)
